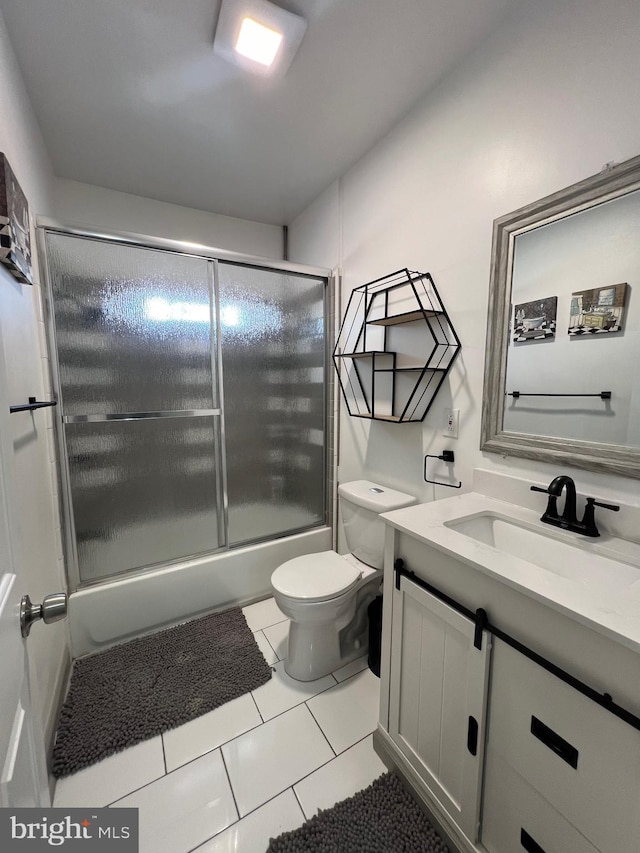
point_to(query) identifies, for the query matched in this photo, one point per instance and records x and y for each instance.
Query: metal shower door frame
(212, 255)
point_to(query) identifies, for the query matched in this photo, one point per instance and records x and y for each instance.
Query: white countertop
(613, 612)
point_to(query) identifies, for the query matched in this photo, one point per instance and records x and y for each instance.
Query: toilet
(326, 595)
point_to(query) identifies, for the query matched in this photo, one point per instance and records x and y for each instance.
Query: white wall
(84, 204)
(546, 101)
(22, 334)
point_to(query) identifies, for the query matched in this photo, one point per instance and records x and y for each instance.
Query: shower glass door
(135, 333)
(273, 357)
(192, 402)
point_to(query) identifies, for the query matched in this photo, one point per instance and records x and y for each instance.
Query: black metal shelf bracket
(445, 456)
(31, 405)
(604, 395)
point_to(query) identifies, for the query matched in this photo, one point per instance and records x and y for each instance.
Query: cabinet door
(580, 758)
(438, 689)
(515, 817)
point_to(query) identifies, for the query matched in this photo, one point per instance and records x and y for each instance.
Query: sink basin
(563, 554)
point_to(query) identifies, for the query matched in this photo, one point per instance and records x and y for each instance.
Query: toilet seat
(315, 577)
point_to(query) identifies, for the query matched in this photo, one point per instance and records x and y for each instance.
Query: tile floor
(251, 769)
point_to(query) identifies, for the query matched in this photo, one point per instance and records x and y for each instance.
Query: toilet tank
(361, 503)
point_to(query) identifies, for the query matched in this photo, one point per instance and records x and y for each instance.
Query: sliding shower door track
(139, 416)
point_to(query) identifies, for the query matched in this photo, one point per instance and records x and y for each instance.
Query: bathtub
(118, 610)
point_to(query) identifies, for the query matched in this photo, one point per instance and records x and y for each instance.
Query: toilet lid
(315, 576)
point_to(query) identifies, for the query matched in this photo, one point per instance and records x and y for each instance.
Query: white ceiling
(130, 95)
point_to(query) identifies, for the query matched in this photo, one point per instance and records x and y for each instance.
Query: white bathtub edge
(117, 611)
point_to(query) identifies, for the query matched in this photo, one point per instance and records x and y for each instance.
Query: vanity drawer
(517, 819)
(579, 757)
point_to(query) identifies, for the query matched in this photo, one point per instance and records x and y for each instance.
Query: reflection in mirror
(563, 336)
(576, 327)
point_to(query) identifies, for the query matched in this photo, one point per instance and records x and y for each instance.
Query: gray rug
(137, 690)
(383, 818)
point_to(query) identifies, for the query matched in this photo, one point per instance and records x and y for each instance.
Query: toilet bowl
(320, 593)
(326, 595)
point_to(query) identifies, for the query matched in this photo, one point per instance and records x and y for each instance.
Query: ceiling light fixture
(258, 36)
(258, 42)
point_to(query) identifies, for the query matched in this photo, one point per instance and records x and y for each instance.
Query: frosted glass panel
(133, 327)
(135, 335)
(273, 358)
(143, 492)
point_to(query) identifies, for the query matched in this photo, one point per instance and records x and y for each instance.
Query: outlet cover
(451, 421)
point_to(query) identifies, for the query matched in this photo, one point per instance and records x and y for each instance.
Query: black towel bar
(31, 405)
(604, 395)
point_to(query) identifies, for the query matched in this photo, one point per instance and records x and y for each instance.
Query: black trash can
(374, 612)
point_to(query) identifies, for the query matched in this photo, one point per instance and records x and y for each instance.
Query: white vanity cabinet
(550, 770)
(517, 819)
(438, 699)
(561, 771)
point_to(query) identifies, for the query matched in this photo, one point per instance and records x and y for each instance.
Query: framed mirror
(562, 364)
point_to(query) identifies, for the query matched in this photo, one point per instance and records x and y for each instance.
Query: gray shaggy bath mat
(134, 691)
(383, 818)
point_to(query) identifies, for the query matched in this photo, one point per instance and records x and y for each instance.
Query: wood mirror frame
(609, 184)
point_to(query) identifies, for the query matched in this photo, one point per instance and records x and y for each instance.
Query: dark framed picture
(15, 236)
(599, 310)
(535, 321)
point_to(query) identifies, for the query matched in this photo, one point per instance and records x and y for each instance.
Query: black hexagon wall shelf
(395, 347)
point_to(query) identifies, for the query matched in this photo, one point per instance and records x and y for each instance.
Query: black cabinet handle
(556, 744)
(529, 844)
(472, 736)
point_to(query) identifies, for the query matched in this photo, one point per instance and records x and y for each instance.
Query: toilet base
(325, 658)
(317, 648)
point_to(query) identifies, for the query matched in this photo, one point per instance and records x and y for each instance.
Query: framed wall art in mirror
(563, 338)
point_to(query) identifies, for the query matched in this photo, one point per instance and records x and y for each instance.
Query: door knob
(53, 608)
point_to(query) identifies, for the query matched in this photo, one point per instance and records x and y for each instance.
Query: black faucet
(554, 490)
(568, 520)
